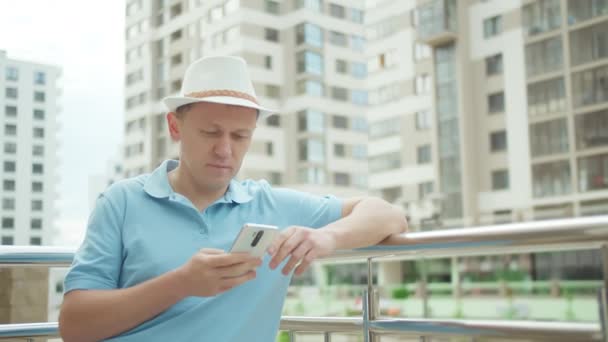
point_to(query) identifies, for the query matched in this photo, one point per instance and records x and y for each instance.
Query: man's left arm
(365, 221)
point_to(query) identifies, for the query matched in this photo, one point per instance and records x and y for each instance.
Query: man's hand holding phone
(213, 271)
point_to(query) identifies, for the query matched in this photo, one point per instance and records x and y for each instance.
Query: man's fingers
(308, 259)
(238, 269)
(225, 259)
(297, 255)
(279, 240)
(286, 248)
(228, 283)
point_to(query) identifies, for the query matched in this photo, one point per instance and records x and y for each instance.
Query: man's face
(214, 139)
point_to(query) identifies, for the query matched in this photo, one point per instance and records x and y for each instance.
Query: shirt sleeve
(97, 262)
(306, 209)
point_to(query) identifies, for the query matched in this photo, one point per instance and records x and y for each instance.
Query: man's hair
(181, 111)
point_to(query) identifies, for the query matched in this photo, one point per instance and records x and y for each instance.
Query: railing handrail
(536, 236)
(550, 331)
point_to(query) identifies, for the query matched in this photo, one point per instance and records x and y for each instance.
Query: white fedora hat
(218, 79)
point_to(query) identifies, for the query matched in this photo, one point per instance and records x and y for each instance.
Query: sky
(85, 39)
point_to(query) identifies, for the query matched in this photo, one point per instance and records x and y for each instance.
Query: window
(311, 175)
(8, 185)
(593, 172)
(422, 84)
(590, 87)
(385, 162)
(10, 111)
(37, 168)
(10, 130)
(175, 10)
(339, 150)
(579, 11)
(315, 5)
(268, 62)
(39, 78)
(310, 62)
(311, 121)
(359, 152)
(500, 180)
(176, 35)
(356, 15)
(341, 178)
(338, 38)
(275, 178)
(37, 186)
(498, 141)
(547, 97)
(551, 179)
(269, 149)
(544, 56)
(359, 70)
(12, 74)
(308, 33)
(36, 205)
(7, 240)
(391, 194)
(424, 189)
(271, 6)
(339, 121)
(9, 166)
(541, 16)
(423, 120)
(589, 44)
(38, 114)
(10, 147)
(35, 241)
(176, 59)
(38, 132)
(11, 93)
(359, 124)
(272, 91)
(421, 51)
(549, 137)
(38, 150)
(357, 43)
(311, 150)
(358, 97)
(423, 154)
(274, 121)
(337, 11)
(339, 93)
(8, 203)
(496, 103)
(591, 130)
(8, 223)
(385, 128)
(341, 66)
(310, 87)
(36, 223)
(271, 34)
(494, 65)
(492, 27)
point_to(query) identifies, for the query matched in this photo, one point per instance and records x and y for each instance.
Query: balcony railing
(529, 237)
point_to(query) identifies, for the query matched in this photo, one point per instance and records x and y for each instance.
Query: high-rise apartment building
(28, 117)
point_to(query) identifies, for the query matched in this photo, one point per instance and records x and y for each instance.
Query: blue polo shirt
(140, 229)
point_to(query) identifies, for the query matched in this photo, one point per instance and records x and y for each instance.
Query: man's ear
(173, 124)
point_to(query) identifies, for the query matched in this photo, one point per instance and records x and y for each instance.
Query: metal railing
(529, 237)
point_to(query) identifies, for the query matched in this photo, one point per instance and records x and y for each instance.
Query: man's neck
(183, 183)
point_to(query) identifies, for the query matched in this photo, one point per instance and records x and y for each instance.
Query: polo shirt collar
(157, 185)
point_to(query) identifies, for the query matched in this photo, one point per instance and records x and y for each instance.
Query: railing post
(292, 336)
(603, 296)
(327, 336)
(370, 304)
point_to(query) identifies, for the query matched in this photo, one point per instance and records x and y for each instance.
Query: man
(155, 266)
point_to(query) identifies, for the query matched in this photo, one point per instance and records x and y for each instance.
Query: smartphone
(254, 239)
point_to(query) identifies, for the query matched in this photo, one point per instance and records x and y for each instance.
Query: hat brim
(173, 102)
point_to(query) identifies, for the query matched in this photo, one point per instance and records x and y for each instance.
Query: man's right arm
(92, 315)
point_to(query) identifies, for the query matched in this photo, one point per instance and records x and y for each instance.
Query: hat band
(223, 92)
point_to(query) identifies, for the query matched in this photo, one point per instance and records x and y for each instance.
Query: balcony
(529, 237)
(438, 24)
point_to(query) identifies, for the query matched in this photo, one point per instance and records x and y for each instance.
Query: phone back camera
(257, 238)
